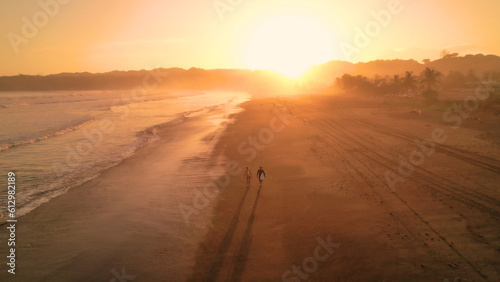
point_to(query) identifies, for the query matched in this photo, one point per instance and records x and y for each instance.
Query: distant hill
(387, 67)
(326, 73)
(480, 64)
(255, 82)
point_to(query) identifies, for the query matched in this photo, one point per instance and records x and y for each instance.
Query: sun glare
(289, 44)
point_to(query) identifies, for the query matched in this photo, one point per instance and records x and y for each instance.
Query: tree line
(427, 84)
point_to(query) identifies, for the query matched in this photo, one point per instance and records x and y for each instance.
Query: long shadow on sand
(226, 241)
(242, 256)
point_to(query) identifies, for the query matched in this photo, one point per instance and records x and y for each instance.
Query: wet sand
(126, 222)
(325, 211)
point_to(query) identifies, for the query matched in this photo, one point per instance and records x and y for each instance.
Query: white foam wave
(58, 132)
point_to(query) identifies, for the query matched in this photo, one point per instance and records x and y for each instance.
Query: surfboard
(262, 176)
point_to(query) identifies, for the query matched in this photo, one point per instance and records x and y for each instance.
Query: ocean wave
(118, 104)
(36, 102)
(152, 130)
(47, 98)
(37, 195)
(180, 118)
(45, 136)
(14, 105)
(34, 195)
(40, 194)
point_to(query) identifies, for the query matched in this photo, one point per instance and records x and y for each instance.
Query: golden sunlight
(289, 44)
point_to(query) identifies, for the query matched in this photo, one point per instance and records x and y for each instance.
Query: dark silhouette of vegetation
(480, 64)
(446, 55)
(396, 84)
(409, 82)
(379, 78)
(255, 82)
(470, 76)
(354, 84)
(429, 81)
(454, 79)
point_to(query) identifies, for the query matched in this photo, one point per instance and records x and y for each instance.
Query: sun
(289, 44)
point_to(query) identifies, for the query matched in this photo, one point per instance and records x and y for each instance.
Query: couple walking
(261, 174)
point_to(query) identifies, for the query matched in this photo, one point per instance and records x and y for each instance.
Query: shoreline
(69, 155)
(127, 217)
(324, 211)
(152, 132)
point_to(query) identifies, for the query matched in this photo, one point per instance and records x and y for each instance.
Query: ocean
(56, 140)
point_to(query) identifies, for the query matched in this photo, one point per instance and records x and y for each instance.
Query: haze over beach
(223, 140)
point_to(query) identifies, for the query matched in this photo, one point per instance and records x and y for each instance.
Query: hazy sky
(287, 35)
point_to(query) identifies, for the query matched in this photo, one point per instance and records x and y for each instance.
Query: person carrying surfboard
(261, 174)
(248, 176)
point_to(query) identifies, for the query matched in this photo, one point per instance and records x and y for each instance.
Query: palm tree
(430, 79)
(396, 82)
(409, 81)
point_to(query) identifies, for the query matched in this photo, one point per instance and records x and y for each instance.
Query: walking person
(248, 176)
(261, 174)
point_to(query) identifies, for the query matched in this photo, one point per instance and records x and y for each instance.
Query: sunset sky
(285, 35)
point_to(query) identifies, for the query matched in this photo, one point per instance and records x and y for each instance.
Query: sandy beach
(326, 211)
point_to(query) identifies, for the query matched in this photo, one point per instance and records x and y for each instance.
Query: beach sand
(325, 184)
(126, 222)
(325, 211)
